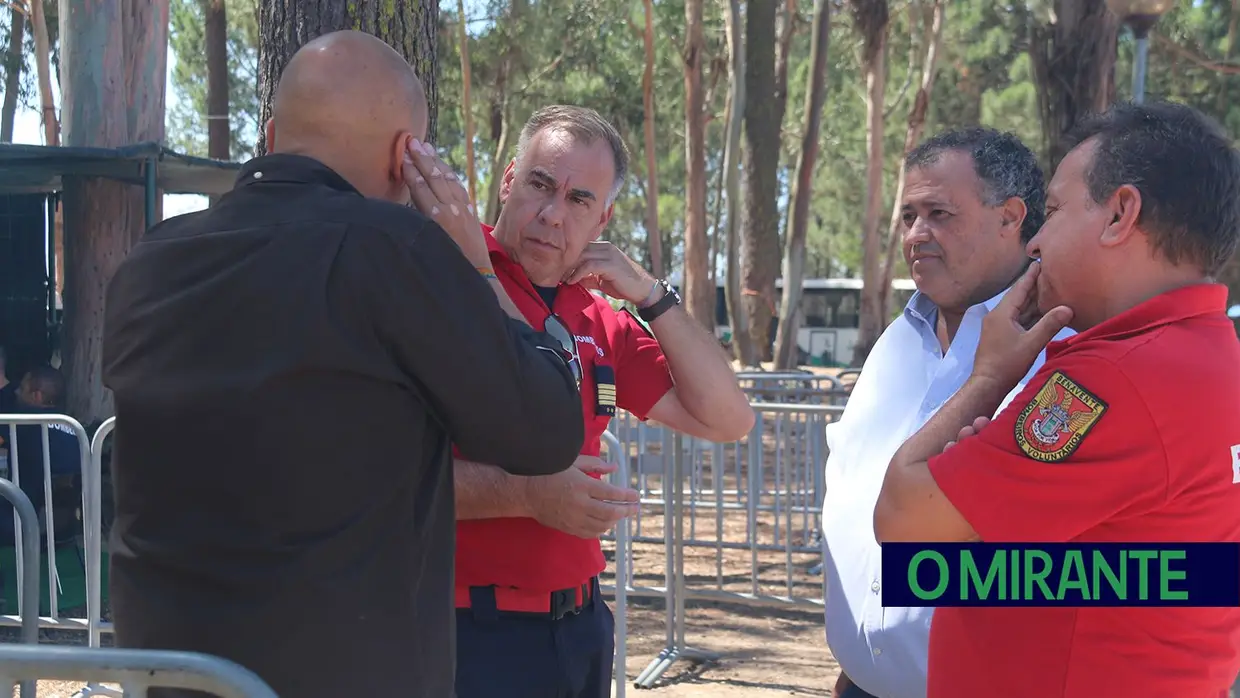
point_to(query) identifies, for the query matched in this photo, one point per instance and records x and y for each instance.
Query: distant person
(291, 369)
(530, 620)
(1128, 432)
(42, 391)
(973, 200)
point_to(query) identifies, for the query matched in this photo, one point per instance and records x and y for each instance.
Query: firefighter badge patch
(1054, 423)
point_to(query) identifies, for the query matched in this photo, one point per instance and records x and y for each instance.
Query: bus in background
(830, 317)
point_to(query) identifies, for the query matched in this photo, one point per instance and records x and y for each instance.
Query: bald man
(290, 370)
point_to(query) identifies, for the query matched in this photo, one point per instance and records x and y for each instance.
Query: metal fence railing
(135, 670)
(736, 522)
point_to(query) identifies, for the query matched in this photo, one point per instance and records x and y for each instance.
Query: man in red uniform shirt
(1127, 434)
(530, 623)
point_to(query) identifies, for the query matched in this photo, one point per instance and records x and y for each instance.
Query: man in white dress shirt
(973, 198)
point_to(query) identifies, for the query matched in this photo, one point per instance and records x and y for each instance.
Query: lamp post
(1140, 16)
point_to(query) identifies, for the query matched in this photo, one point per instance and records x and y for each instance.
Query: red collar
(1165, 308)
(572, 299)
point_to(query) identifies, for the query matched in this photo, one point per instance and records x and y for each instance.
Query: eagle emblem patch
(1058, 418)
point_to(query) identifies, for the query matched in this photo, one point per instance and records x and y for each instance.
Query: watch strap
(670, 299)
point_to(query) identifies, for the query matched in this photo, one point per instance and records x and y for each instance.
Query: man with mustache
(530, 623)
(973, 199)
(1128, 432)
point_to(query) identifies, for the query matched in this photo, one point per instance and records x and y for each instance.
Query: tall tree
(1073, 59)
(219, 135)
(115, 58)
(760, 223)
(738, 317)
(932, 30)
(467, 107)
(699, 292)
(802, 191)
(409, 26)
(43, 67)
(13, 65)
(189, 118)
(654, 238)
(870, 20)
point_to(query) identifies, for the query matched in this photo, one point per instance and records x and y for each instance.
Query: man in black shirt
(291, 368)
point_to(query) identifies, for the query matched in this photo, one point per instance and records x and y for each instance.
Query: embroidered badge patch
(1055, 422)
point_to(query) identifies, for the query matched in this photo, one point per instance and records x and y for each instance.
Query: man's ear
(505, 184)
(603, 221)
(270, 133)
(1125, 212)
(1012, 215)
(396, 158)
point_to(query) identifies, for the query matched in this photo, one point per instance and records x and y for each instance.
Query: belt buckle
(564, 603)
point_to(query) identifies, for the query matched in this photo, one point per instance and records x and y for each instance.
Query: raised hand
(1014, 333)
(439, 195)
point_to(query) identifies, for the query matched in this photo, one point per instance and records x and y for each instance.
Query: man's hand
(575, 503)
(439, 195)
(1013, 334)
(968, 431)
(604, 267)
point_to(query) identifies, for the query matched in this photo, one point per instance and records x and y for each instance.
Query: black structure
(30, 183)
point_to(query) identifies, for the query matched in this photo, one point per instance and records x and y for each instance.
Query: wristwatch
(670, 298)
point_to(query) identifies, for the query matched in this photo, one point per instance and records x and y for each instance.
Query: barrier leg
(29, 582)
(673, 520)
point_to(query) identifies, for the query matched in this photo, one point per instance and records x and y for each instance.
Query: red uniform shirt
(523, 553)
(1152, 399)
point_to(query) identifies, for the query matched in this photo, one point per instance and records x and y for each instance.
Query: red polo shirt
(1125, 435)
(614, 347)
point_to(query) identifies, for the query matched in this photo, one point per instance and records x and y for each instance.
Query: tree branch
(1199, 60)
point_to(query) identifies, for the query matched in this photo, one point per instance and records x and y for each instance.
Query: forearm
(976, 398)
(705, 382)
(486, 492)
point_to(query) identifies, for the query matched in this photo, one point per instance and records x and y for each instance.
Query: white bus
(830, 312)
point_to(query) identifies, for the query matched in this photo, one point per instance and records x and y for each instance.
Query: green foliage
(525, 55)
(186, 119)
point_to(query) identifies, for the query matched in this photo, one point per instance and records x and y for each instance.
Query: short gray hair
(585, 126)
(1005, 166)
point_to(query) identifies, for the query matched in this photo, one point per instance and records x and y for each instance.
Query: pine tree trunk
(699, 293)
(802, 191)
(13, 65)
(1073, 63)
(760, 224)
(871, 20)
(115, 68)
(409, 26)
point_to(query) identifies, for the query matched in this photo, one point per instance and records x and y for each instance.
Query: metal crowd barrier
(761, 495)
(91, 522)
(793, 387)
(135, 670)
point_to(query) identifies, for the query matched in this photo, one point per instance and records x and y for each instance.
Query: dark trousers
(501, 655)
(854, 692)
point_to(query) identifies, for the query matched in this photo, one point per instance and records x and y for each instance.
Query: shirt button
(258, 175)
(874, 587)
(878, 651)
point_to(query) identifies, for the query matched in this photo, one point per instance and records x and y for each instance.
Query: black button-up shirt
(290, 369)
